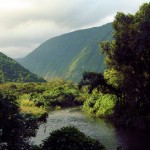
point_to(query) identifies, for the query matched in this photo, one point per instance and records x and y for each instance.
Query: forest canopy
(128, 59)
(126, 80)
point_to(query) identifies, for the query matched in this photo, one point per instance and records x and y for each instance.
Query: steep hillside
(11, 71)
(69, 55)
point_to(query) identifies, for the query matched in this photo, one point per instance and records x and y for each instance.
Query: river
(106, 133)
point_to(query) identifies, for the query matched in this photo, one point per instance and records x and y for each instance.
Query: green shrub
(99, 104)
(70, 138)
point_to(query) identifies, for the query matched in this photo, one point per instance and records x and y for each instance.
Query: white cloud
(25, 24)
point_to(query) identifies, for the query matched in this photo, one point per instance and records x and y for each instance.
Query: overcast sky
(25, 24)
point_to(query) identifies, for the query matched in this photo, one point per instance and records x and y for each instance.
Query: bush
(100, 105)
(70, 138)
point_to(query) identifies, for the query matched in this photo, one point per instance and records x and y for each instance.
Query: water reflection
(133, 139)
(95, 128)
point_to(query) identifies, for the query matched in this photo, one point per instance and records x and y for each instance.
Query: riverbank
(110, 136)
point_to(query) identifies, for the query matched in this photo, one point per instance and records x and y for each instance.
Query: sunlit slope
(69, 55)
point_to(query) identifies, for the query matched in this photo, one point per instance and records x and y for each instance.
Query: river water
(98, 129)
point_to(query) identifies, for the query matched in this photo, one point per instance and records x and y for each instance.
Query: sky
(25, 24)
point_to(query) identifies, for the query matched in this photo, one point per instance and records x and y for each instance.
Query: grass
(28, 107)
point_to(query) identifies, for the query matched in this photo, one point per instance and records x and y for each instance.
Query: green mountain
(12, 71)
(69, 55)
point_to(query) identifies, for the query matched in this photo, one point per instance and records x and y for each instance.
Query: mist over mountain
(69, 55)
(12, 71)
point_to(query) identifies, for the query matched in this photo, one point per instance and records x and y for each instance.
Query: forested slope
(69, 55)
(12, 71)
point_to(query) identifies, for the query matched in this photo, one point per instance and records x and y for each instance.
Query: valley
(69, 55)
(87, 89)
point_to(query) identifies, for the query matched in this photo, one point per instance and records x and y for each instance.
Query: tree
(129, 55)
(96, 81)
(70, 138)
(15, 128)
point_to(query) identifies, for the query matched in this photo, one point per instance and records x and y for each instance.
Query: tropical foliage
(122, 91)
(15, 128)
(100, 105)
(23, 106)
(129, 55)
(127, 75)
(38, 98)
(70, 138)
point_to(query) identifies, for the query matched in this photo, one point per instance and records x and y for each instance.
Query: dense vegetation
(69, 55)
(98, 99)
(11, 71)
(15, 128)
(70, 138)
(127, 76)
(23, 106)
(38, 98)
(129, 56)
(100, 105)
(121, 92)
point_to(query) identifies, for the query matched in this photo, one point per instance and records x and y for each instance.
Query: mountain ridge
(12, 71)
(69, 55)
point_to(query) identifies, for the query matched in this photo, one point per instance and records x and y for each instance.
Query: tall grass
(28, 106)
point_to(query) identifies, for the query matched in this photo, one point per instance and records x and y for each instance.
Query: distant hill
(12, 71)
(69, 55)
